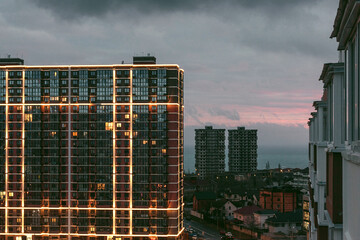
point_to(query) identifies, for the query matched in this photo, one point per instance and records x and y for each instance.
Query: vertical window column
(114, 153)
(23, 153)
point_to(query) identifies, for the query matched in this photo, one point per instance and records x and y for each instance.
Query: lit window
(163, 151)
(53, 220)
(74, 134)
(109, 126)
(118, 125)
(145, 142)
(127, 116)
(53, 134)
(11, 194)
(101, 186)
(18, 220)
(28, 118)
(92, 229)
(127, 134)
(153, 142)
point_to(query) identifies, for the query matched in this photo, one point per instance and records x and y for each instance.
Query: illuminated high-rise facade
(91, 152)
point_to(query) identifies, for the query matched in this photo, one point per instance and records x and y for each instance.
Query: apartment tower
(209, 152)
(91, 151)
(242, 150)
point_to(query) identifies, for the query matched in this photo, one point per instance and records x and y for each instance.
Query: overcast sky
(252, 63)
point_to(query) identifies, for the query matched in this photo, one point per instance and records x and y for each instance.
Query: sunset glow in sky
(247, 63)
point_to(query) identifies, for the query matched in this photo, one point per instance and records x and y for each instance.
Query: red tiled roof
(248, 210)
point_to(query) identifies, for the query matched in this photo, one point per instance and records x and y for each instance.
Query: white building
(334, 148)
(347, 30)
(229, 209)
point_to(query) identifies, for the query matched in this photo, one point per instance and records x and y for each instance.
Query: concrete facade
(334, 144)
(209, 152)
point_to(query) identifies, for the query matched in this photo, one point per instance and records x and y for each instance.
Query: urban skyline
(95, 130)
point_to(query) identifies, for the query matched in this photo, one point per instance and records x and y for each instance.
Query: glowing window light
(108, 126)
(28, 117)
(101, 186)
(118, 125)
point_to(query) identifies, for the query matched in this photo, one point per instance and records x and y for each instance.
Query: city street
(203, 230)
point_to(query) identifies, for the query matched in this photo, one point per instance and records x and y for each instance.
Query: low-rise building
(282, 199)
(261, 216)
(202, 201)
(246, 214)
(288, 223)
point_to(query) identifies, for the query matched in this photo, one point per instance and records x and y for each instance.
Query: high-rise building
(209, 152)
(91, 152)
(242, 150)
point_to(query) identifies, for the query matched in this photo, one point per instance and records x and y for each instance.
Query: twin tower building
(210, 151)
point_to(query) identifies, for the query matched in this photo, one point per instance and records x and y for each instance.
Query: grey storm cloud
(238, 55)
(231, 115)
(70, 9)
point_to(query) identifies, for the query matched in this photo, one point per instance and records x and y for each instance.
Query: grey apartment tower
(209, 151)
(242, 150)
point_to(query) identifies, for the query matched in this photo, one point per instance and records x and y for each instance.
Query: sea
(285, 156)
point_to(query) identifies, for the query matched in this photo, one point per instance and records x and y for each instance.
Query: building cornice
(345, 21)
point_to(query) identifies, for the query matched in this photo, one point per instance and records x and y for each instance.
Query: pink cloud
(204, 114)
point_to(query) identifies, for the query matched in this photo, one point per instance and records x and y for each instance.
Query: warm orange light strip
(23, 154)
(92, 208)
(6, 151)
(178, 167)
(114, 155)
(85, 104)
(131, 151)
(69, 154)
(117, 66)
(95, 235)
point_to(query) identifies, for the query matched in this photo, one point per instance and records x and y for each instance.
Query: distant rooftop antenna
(122, 62)
(9, 55)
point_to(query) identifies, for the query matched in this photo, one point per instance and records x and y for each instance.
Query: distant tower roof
(11, 61)
(144, 59)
